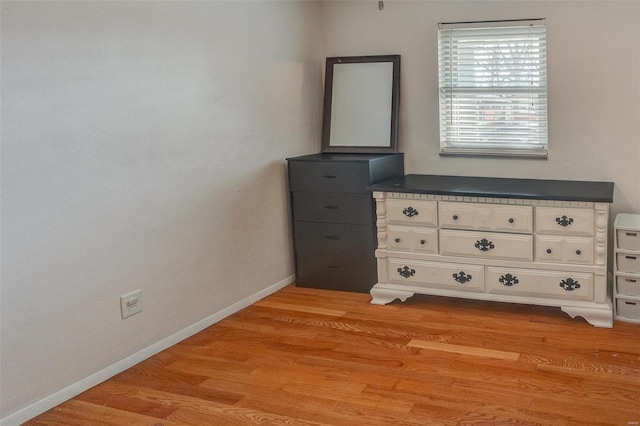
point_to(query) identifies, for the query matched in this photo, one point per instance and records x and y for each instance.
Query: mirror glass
(361, 104)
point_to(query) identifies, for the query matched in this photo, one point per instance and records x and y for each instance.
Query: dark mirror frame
(395, 102)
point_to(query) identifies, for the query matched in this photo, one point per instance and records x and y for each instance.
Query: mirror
(361, 97)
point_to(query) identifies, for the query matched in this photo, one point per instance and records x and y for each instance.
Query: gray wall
(143, 147)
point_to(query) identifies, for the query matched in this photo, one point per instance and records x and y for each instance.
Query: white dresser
(510, 240)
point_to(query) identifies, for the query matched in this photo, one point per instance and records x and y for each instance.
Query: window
(493, 88)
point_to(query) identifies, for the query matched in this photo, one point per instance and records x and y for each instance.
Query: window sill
(537, 155)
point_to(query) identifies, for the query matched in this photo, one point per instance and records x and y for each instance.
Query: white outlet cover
(131, 303)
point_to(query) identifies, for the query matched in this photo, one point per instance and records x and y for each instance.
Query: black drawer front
(333, 208)
(334, 272)
(328, 176)
(318, 238)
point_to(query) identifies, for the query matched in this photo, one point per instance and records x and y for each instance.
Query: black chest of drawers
(334, 218)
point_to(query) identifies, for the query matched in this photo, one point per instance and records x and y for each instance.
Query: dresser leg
(594, 316)
(382, 296)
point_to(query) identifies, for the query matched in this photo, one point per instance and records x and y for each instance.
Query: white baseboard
(77, 388)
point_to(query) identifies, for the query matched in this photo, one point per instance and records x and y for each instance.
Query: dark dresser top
(340, 157)
(538, 189)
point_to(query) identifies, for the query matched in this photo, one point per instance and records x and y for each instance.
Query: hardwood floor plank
(80, 413)
(122, 397)
(300, 308)
(457, 349)
(210, 415)
(328, 380)
(179, 383)
(620, 375)
(466, 415)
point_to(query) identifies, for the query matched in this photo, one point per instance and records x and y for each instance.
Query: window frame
(507, 98)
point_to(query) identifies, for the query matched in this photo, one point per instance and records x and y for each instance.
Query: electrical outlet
(131, 303)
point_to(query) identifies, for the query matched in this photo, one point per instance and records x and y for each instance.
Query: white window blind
(493, 88)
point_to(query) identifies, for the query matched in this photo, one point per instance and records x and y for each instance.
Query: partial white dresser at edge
(529, 241)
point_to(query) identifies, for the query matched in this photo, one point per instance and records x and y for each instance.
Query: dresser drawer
(436, 275)
(318, 238)
(628, 262)
(422, 240)
(333, 208)
(412, 212)
(334, 271)
(628, 308)
(528, 282)
(629, 286)
(578, 250)
(486, 245)
(328, 176)
(493, 217)
(565, 221)
(628, 240)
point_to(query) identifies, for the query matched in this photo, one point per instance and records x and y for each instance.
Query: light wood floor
(310, 357)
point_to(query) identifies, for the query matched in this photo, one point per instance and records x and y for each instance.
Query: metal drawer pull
(578, 252)
(630, 303)
(332, 238)
(549, 251)
(631, 257)
(630, 280)
(511, 220)
(455, 217)
(508, 280)
(462, 278)
(564, 221)
(329, 177)
(484, 245)
(406, 272)
(569, 284)
(331, 207)
(422, 242)
(631, 234)
(334, 266)
(397, 240)
(410, 212)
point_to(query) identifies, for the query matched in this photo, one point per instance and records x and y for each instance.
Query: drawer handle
(631, 257)
(631, 234)
(569, 284)
(455, 217)
(331, 207)
(462, 278)
(334, 266)
(630, 303)
(422, 242)
(509, 280)
(564, 221)
(329, 177)
(330, 237)
(410, 212)
(578, 252)
(630, 280)
(511, 220)
(484, 245)
(397, 240)
(406, 272)
(548, 251)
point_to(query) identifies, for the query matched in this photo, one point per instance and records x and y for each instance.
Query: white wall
(143, 146)
(594, 83)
